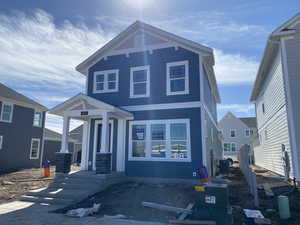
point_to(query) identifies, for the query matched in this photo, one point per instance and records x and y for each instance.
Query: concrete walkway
(29, 213)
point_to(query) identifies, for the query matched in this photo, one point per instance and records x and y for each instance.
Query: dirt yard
(13, 185)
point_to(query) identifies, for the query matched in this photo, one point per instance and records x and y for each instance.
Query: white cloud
(234, 69)
(238, 108)
(38, 58)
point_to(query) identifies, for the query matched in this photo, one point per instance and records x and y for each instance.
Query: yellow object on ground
(199, 188)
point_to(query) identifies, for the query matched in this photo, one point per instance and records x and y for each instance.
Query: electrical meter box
(213, 204)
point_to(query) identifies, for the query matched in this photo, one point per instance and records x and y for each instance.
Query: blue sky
(41, 42)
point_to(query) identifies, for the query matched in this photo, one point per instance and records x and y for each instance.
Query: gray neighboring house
(52, 144)
(236, 132)
(22, 121)
(276, 94)
(76, 135)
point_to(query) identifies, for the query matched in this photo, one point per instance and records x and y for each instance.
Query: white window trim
(234, 133)
(40, 118)
(133, 69)
(105, 85)
(186, 84)
(38, 152)
(12, 112)
(148, 140)
(1, 142)
(231, 146)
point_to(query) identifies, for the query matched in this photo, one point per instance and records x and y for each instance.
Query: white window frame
(168, 140)
(38, 152)
(235, 147)
(12, 112)
(186, 82)
(228, 143)
(41, 118)
(246, 133)
(1, 142)
(138, 68)
(234, 133)
(105, 81)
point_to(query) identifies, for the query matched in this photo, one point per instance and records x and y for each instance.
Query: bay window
(165, 140)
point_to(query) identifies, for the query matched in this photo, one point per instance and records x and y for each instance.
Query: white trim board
(178, 105)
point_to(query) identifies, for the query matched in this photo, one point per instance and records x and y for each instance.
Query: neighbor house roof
(76, 134)
(54, 136)
(10, 95)
(249, 121)
(140, 26)
(271, 49)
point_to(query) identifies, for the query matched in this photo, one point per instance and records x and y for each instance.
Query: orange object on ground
(47, 172)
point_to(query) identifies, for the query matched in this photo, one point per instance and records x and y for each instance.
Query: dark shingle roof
(249, 121)
(11, 94)
(76, 134)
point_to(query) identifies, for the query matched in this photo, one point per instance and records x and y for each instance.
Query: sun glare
(139, 4)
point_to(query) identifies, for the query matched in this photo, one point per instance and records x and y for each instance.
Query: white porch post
(65, 135)
(84, 148)
(105, 133)
(121, 145)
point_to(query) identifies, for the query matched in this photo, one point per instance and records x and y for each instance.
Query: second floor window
(38, 119)
(106, 81)
(140, 82)
(6, 112)
(232, 133)
(177, 78)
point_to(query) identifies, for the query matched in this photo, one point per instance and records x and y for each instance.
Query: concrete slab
(26, 213)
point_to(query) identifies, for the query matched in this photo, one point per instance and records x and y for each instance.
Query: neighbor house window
(226, 147)
(251, 132)
(212, 134)
(6, 112)
(38, 119)
(233, 147)
(266, 134)
(35, 148)
(263, 108)
(232, 133)
(106, 81)
(166, 140)
(1, 142)
(140, 81)
(178, 78)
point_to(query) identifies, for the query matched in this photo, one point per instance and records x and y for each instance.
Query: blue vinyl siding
(157, 61)
(17, 137)
(209, 99)
(169, 169)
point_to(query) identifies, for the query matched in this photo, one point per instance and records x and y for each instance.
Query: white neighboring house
(276, 94)
(236, 132)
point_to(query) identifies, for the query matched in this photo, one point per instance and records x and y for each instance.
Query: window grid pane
(34, 148)
(6, 112)
(158, 136)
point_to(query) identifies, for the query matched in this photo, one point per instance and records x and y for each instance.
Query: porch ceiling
(82, 102)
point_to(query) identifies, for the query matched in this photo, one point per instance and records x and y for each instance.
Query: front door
(99, 134)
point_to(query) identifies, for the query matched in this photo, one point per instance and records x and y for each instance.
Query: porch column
(103, 159)
(63, 157)
(65, 135)
(84, 147)
(105, 134)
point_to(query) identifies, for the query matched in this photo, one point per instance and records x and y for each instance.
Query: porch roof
(82, 102)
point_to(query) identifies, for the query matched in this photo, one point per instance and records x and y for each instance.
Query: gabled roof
(8, 94)
(139, 26)
(52, 135)
(284, 30)
(249, 121)
(76, 133)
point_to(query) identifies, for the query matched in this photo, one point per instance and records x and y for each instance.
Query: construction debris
(118, 216)
(193, 222)
(250, 213)
(268, 190)
(166, 208)
(5, 182)
(184, 215)
(82, 212)
(264, 221)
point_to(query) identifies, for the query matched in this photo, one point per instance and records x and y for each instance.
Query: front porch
(104, 132)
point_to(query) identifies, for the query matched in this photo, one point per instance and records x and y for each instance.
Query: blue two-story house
(22, 122)
(150, 106)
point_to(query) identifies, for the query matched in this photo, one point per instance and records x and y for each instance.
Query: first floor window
(226, 147)
(251, 132)
(233, 147)
(1, 142)
(6, 112)
(38, 119)
(35, 148)
(247, 132)
(160, 140)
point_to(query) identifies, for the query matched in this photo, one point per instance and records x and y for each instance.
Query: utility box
(213, 205)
